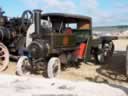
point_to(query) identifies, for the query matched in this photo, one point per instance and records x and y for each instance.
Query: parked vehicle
(12, 37)
(57, 39)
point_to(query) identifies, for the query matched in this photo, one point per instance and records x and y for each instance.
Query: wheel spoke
(26, 67)
(23, 67)
(4, 57)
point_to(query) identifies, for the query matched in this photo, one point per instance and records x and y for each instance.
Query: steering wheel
(26, 19)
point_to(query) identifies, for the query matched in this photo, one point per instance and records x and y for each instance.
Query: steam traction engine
(57, 39)
(45, 42)
(12, 37)
(51, 42)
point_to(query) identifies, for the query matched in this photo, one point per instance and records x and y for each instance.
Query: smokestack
(37, 21)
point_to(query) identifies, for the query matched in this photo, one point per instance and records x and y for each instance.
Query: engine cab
(59, 32)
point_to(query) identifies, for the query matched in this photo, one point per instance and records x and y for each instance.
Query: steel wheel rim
(101, 58)
(55, 67)
(4, 57)
(26, 67)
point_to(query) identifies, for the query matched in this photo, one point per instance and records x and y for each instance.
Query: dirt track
(112, 72)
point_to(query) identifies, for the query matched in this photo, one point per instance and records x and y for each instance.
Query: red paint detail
(68, 31)
(81, 51)
(65, 41)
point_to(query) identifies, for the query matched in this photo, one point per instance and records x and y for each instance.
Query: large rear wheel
(4, 57)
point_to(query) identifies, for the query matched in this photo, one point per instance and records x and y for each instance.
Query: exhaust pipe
(37, 21)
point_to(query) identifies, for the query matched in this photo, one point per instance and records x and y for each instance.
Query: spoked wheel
(23, 67)
(54, 67)
(4, 57)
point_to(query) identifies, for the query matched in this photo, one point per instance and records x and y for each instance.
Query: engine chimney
(37, 21)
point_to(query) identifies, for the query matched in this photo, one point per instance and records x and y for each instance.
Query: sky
(103, 12)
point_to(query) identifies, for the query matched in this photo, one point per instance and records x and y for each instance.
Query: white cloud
(60, 5)
(117, 15)
(89, 4)
(30, 3)
(51, 5)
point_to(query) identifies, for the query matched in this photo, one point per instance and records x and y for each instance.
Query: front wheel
(23, 66)
(54, 67)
